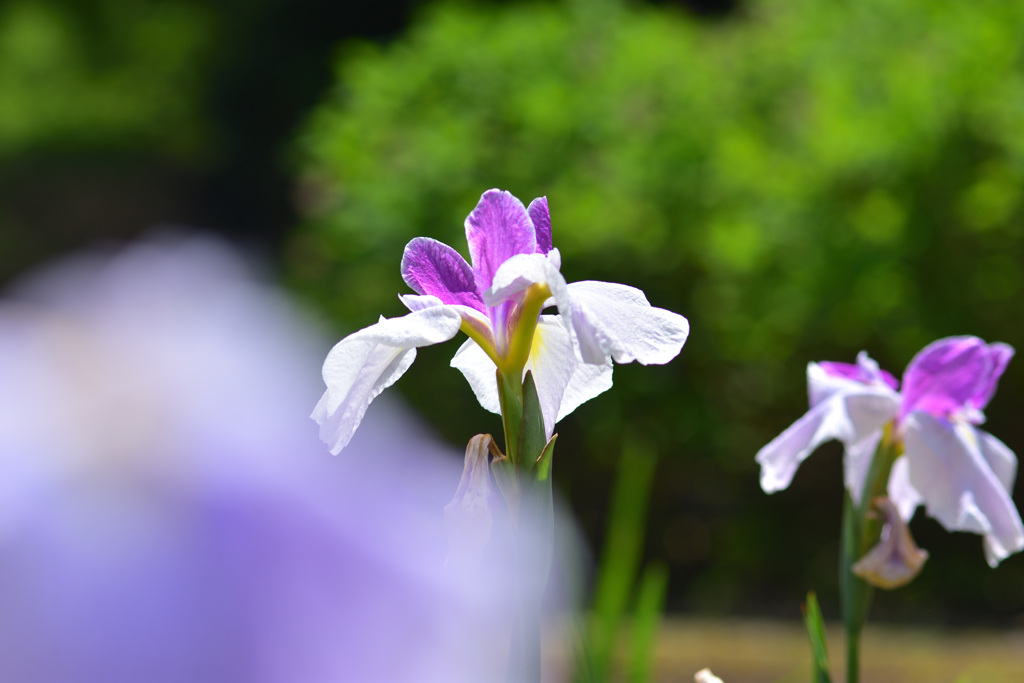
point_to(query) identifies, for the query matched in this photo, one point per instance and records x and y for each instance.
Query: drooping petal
(1001, 460)
(857, 463)
(563, 382)
(541, 218)
(896, 560)
(959, 487)
(587, 381)
(849, 416)
(609, 319)
(999, 355)
(497, 229)
(366, 362)
(901, 492)
(479, 371)
(434, 268)
(552, 362)
(946, 376)
(467, 518)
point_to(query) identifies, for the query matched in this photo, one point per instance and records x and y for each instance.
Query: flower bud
(896, 560)
(705, 676)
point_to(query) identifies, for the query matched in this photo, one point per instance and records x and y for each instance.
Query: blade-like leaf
(649, 605)
(816, 631)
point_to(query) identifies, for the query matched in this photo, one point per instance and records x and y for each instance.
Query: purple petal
(999, 355)
(433, 268)
(949, 375)
(541, 218)
(866, 371)
(497, 229)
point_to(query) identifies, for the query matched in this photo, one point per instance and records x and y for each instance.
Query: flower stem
(859, 533)
(530, 453)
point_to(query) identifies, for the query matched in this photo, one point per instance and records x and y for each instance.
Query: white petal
(901, 492)
(365, 363)
(615, 320)
(563, 382)
(959, 487)
(857, 462)
(850, 417)
(552, 362)
(523, 270)
(587, 381)
(1001, 460)
(479, 371)
(470, 316)
(555, 257)
(419, 302)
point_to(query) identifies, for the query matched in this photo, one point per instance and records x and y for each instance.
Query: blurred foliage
(118, 115)
(101, 110)
(801, 179)
(104, 73)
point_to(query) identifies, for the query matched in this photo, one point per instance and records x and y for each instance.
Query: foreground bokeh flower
(964, 476)
(497, 301)
(166, 514)
(705, 676)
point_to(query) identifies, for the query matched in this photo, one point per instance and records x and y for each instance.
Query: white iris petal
(563, 381)
(960, 488)
(479, 371)
(845, 410)
(366, 362)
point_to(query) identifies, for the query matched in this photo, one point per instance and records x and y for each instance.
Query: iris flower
(497, 300)
(964, 476)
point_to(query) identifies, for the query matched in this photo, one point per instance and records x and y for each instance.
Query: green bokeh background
(801, 179)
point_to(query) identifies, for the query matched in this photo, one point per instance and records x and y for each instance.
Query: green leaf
(816, 631)
(543, 465)
(532, 437)
(621, 554)
(649, 605)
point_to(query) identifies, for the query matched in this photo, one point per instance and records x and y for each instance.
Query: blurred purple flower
(497, 302)
(166, 516)
(963, 475)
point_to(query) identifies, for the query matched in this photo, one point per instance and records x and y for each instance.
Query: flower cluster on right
(961, 474)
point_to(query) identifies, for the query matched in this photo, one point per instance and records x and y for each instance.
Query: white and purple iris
(963, 475)
(497, 301)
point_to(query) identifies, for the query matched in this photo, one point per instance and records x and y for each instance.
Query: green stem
(510, 393)
(530, 454)
(861, 531)
(853, 657)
